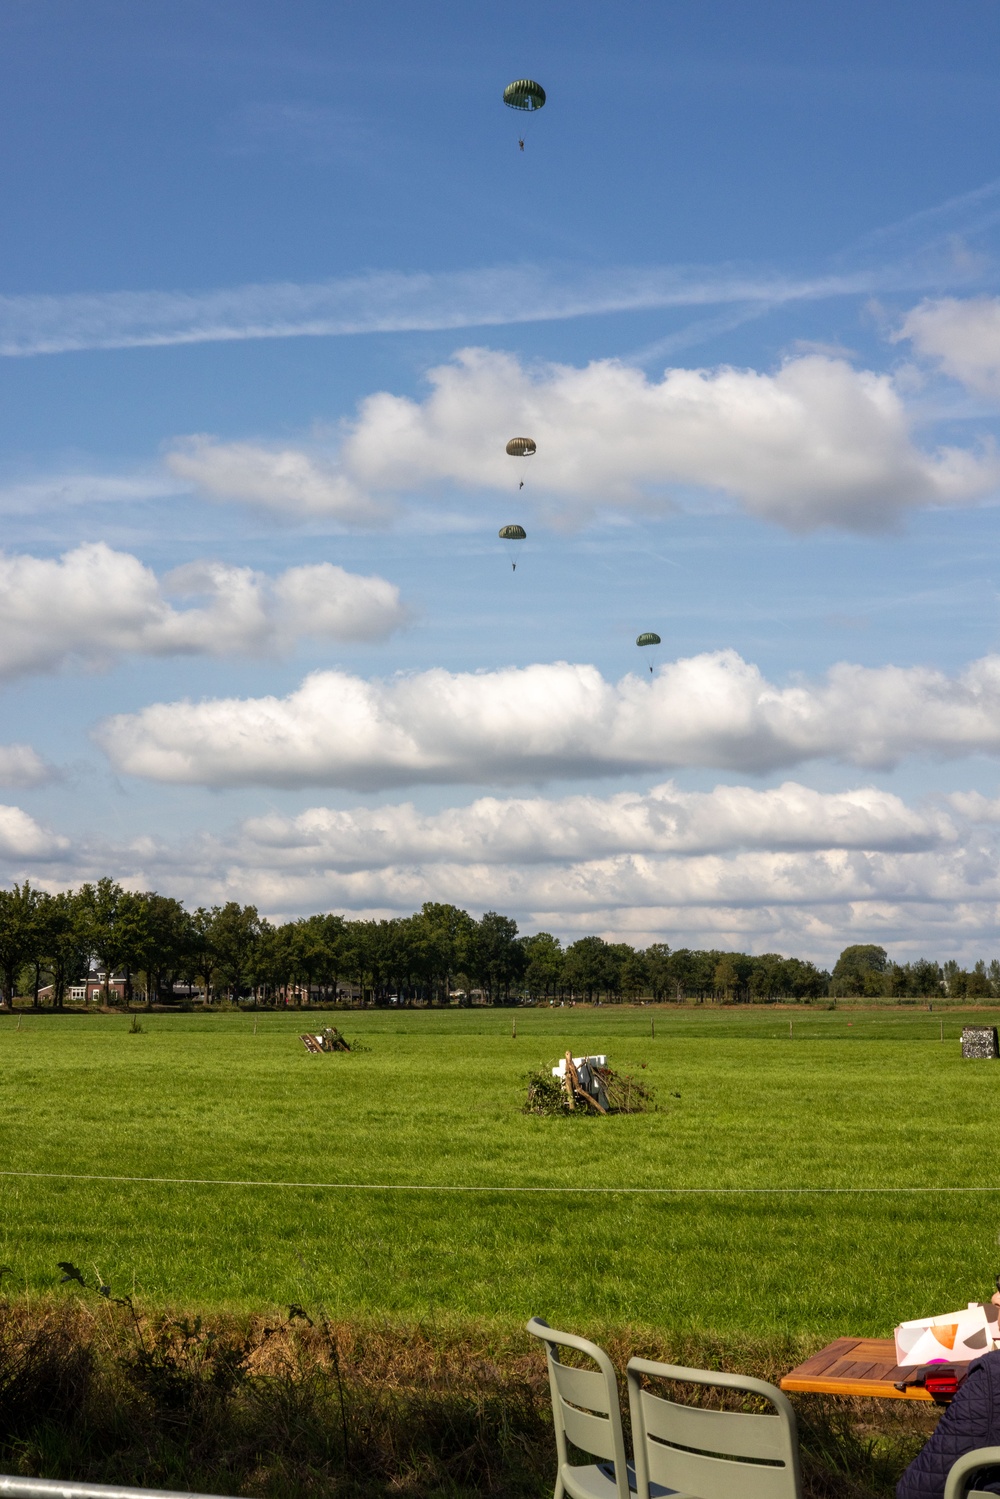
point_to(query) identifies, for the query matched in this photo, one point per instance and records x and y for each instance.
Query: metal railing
(56, 1488)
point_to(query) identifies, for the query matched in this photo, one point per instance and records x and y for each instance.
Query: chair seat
(598, 1482)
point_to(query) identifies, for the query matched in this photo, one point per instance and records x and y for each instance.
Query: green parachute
(512, 534)
(521, 447)
(648, 637)
(524, 93)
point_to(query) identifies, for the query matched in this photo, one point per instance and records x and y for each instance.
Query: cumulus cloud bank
(558, 720)
(817, 443)
(539, 830)
(788, 868)
(93, 604)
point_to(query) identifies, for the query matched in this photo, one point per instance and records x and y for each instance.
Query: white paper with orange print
(954, 1338)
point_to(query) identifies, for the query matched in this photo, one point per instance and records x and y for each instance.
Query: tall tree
(108, 913)
(497, 957)
(443, 935)
(586, 968)
(20, 935)
(860, 970)
(233, 934)
(65, 941)
(543, 972)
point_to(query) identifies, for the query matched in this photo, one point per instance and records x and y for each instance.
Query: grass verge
(295, 1407)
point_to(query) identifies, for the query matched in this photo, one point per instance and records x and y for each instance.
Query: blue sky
(742, 285)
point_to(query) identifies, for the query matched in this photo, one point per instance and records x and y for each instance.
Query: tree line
(439, 955)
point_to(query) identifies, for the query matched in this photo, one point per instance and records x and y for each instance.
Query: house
(88, 989)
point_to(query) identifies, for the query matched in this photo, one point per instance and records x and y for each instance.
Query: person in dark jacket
(971, 1420)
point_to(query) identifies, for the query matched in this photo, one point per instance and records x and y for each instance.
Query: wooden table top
(854, 1366)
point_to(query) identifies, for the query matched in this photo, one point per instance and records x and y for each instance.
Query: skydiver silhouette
(521, 485)
(520, 142)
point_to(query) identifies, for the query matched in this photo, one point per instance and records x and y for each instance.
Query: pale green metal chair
(711, 1454)
(586, 1412)
(970, 1462)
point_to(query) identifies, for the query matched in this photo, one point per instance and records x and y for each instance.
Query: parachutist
(521, 485)
(520, 142)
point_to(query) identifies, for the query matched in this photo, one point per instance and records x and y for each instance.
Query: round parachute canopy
(512, 533)
(648, 638)
(524, 93)
(521, 447)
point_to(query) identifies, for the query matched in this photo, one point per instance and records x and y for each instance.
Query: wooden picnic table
(854, 1366)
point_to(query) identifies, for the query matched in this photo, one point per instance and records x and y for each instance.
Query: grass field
(849, 1100)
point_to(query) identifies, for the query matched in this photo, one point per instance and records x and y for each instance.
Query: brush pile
(587, 1085)
(329, 1039)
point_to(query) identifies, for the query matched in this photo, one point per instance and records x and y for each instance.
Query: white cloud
(21, 765)
(817, 443)
(21, 837)
(558, 720)
(963, 335)
(93, 604)
(788, 869)
(538, 830)
(283, 479)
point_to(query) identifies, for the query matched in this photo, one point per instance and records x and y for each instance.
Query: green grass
(436, 1100)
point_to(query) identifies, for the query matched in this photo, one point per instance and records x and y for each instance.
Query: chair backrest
(712, 1453)
(585, 1408)
(969, 1462)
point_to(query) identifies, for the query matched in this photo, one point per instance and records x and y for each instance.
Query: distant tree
(726, 977)
(443, 937)
(20, 935)
(657, 961)
(64, 942)
(109, 916)
(926, 978)
(859, 970)
(543, 955)
(161, 943)
(233, 933)
(693, 972)
(634, 977)
(956, 980)
(497, 958)
(617, 955)
(586, 968)
(978, 982)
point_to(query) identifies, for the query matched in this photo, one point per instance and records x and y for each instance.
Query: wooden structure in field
(329, 1039)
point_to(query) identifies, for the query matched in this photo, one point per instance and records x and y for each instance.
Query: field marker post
(789, 1030)
(942, 1030)
(513, 1027)
(652, 1026)
(19, 1022)
(255, 1025)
